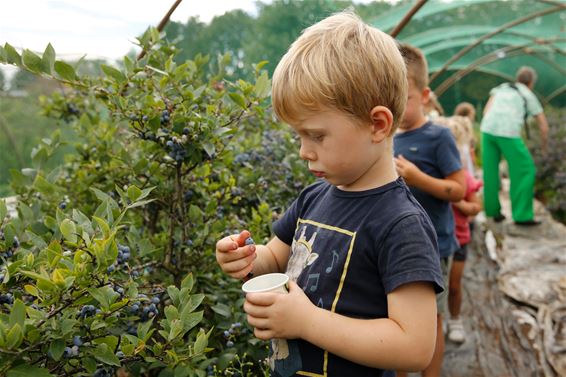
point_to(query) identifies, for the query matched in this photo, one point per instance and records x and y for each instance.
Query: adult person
(505, 113)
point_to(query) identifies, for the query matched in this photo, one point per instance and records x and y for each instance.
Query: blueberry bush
(108, 267)
(550, 186)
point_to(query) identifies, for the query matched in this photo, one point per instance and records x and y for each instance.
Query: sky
(98, 28)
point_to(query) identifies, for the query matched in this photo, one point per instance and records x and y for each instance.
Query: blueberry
(155, 300)
(75, 350)
(62, 205)
(110, 269)
(77, 341)
(67, 352)
(249, 241)
(120, 354)
(229, 343)
(227, 334)
(186, 131)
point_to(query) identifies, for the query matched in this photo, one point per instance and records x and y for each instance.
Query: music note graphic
(315, 277)
(334, 259)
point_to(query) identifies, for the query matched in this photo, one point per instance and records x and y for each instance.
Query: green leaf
(113, 72)
(262, 87)
(104, 354)
(69, 230)
(201, 342)
(238, 99)
(188, 282)
(104, 295)
(195, 214)
(31, 61)
(194, 302)
(134, 193)
(174, 294)
(64, 70)
(171, 312)
(176, 329)
(14, 337)
(222, 309)
(56, 349)
(18, 314)
(12, 55)
(3, 210)
(102, 225)
(26, 370)
(44, 186)
(48, 59)
(190, 320)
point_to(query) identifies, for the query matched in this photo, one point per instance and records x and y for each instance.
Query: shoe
(528, 222)
(456, 331)
(499, 217)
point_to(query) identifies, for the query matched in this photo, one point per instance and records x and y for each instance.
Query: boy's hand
(406, 169)
(279, 315)
(234, 256)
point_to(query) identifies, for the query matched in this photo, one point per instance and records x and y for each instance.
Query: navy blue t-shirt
(348, 251)
(433, 150)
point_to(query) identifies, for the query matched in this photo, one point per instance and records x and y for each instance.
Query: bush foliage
(550, 185)
(109, 263)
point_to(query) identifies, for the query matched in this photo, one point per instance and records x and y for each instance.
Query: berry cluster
(231, 334)
(103, 372)
(88, 311)
(146, 309)
(6, 298)
(9, 252)
(124, 254)
(177, 150)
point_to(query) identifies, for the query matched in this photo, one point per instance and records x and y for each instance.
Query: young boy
(364, 300)
(429, 161)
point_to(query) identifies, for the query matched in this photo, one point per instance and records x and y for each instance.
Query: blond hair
(417, 67)
(461, 128)
(343, 64)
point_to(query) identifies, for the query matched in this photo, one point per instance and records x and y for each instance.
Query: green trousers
(522, 173)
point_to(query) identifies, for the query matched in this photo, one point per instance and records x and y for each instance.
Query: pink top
(462, 225)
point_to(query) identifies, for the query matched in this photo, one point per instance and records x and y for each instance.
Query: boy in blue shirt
(429, 161)
(360, 251)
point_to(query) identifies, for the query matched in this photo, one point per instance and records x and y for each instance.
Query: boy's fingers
(242, 237)
(226, 244)
(240, 265)
(262, 299)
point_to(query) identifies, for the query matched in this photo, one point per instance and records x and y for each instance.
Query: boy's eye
(317, 138)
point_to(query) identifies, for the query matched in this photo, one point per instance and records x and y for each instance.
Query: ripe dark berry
(249, 241)
(229, 343)
(77, 341)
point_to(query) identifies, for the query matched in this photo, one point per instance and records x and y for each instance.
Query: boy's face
(340, 150)
(414, 112)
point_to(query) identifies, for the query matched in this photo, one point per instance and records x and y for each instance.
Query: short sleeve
(410, 254)
(533, 105)
(284, 227)
(447, 154)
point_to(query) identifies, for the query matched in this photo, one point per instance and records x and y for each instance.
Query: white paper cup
(275, 282)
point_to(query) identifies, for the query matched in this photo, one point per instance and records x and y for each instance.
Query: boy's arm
(271, 257)
(379, 343)
(469, 207)
(452, 188)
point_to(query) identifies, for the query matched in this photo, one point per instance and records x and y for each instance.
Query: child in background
(466, 109)
(361, 248)
(429, 161)
(464, 210)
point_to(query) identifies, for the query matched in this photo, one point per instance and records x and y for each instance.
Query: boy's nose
(306, 153)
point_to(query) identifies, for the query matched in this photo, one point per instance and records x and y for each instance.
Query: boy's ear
(381, 123)
(425, 95)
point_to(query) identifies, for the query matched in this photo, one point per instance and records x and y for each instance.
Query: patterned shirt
(506, 114)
